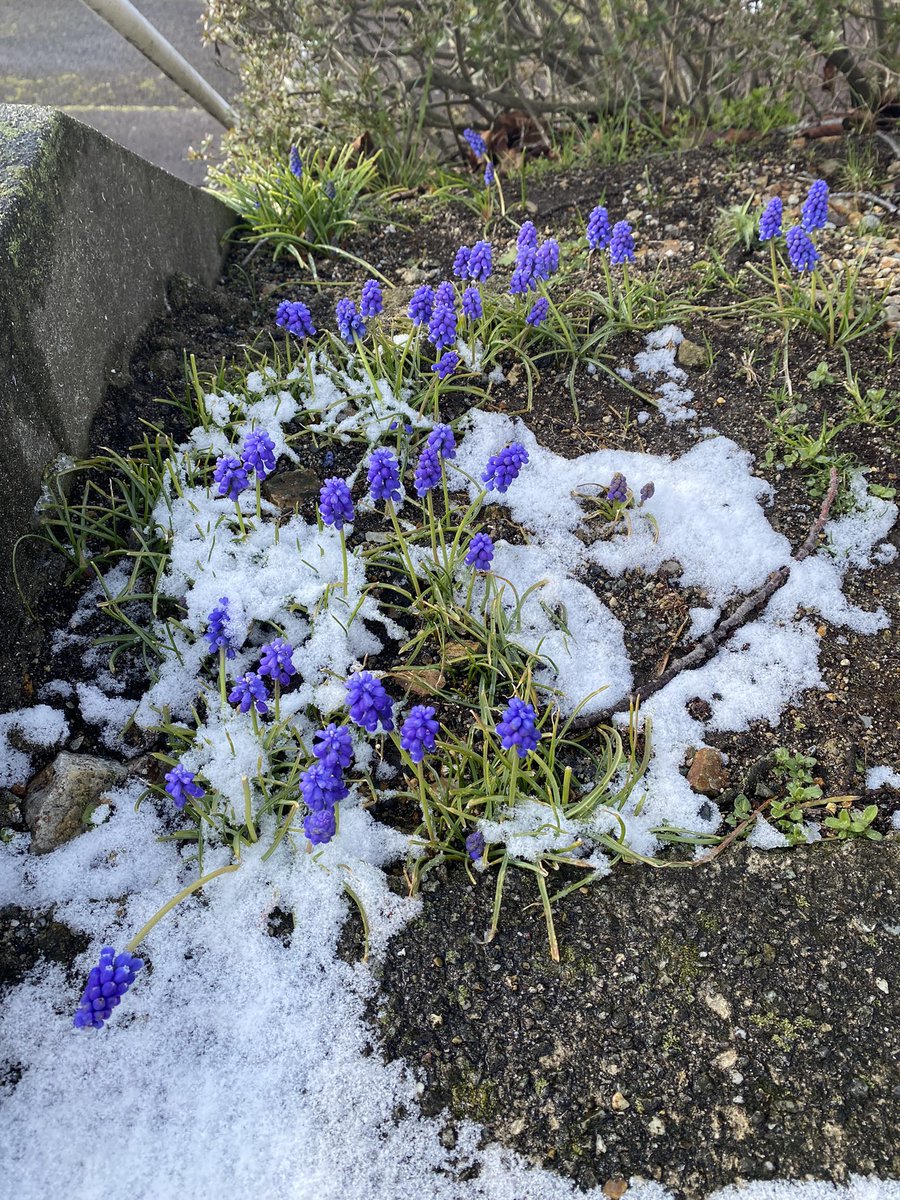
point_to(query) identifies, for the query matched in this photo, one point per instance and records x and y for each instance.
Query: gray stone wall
(89, 235)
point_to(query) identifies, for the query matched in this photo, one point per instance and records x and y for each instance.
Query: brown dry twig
(709, 645)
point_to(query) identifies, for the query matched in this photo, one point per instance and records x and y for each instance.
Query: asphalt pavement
(60, 53)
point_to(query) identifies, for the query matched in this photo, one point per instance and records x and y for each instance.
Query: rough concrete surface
(738, 1020)
(89, 235)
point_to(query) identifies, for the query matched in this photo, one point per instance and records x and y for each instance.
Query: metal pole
(127, 21)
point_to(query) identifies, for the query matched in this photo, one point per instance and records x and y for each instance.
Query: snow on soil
(239, 1067)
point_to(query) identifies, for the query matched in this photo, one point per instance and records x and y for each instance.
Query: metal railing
(127, 21)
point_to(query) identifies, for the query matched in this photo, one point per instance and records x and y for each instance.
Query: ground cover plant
(397, 587)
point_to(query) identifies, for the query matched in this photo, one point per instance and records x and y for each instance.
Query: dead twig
(709, 645)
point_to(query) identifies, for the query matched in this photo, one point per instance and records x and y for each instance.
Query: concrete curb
(89, 235)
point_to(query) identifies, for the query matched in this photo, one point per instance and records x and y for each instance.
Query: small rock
(615, 1188)
(830, 167)
(411, 275)
(619, 1103)
(689, 354)
(290, 488)
(671, 569)
(59, 796)
(708, 775)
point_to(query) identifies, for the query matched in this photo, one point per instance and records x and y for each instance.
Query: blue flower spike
(336, 503)
(443, 441)
(504, 467)
(276, 659)
(621, 244)
(232, 476)
(369, 703)
(801, 251)
(248, 692)
(417, 737)
(384, 475)
(518, 729)
(350, 323)
(618, 489)
(107, 984)
(181, 786)
(599, 232)
(296, 318)
(428, 471)
(446, 364)
(333, 746)
(770, 221)
(814, 212)
(217, 633)
(481, 552)
(258, 453)
(372, 302)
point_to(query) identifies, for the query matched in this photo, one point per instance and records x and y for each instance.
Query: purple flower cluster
(322, 786)
(296, 318)
(477, 144)
(421, 305)
(517, 729)
(481, 552)
(276, 659)
(533, 262)
(372, 302)
(333, 746)
(248, 692)
(368, 702)
(770, 221)
(621, 243)
(428, 471)
(218, 634)
(489, 176)
(618, 489)
(442, 326)
(107, 984)
(475, 845)
(446, 364)
(295, 163)
(418, 732)
(475, 263)
(504, 467)
(442, 440)
(546, 260)
(258, 453)
(349, 322)
(181, 787)
(336, 503)
(814, 212)
(472, 307)
(384, 475)
(813, 215)
(539, 312)
(800, 248)
(231, 475)
(598, 229)
(445, 295)
(461, 262)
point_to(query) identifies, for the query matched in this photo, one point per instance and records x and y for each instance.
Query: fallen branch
(709, 645)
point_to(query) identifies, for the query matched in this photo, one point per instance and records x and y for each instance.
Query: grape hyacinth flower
(296, 318)
(443, 441)
(258, 453)
(421, 305)
(295, 163)
(368, 702)
(646, 493)
(446, 365)
(248, 692)
(418, 732)
(180, 786)
(372, 302)
(276, 660)
(770, 221)
(320, 826)
(333, 747)
(801, 250)
(442, 326)
(481, 261)
(489, 176)
(523, 279)
(384, 475)
(517, 729)
(477, 144)
(217, 634)
(504, 467)
(350, 323)
(330, 189)
(336, 503)
(621, 244)
(321, 787)
(618, 489)
(814, 212)
(107, 984)
(231, 476)
(328, 459)
(539, 312)
(445, 295)
(481, 552)
(546, 260)
(471, 304)
(598, 230)
(461, 262)
(527, 236)
(475, 845)
(428, 472)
